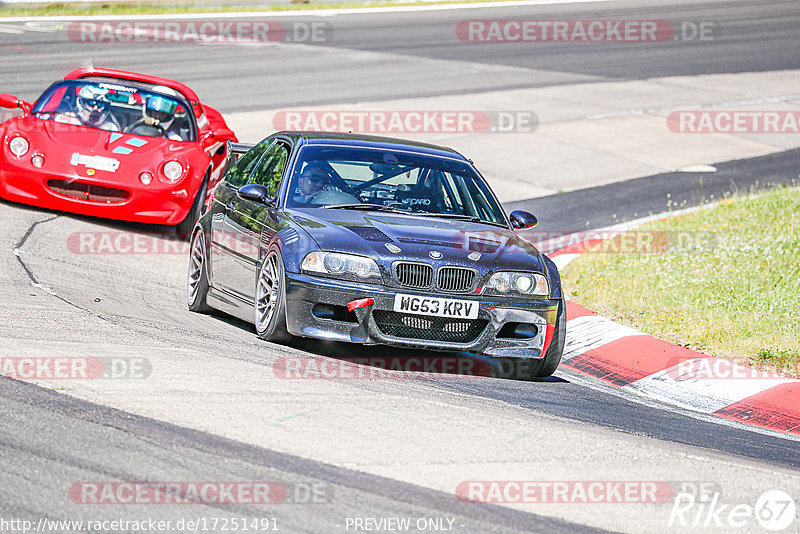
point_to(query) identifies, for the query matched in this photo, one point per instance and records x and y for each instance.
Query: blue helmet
(160, 108)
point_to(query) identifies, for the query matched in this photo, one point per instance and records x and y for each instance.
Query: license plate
(95, 162)
(435, 306)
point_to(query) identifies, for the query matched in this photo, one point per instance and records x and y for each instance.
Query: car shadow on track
(336, 359)
(383, 361)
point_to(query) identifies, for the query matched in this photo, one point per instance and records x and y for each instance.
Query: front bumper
(157, 203)
(304, 292)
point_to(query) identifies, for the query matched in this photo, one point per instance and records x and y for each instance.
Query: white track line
(11, 29)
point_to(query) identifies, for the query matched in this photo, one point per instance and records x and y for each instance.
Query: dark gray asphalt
(67, 441)
(425, 57)
(559, 396)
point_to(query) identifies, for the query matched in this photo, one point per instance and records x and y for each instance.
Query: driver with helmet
(92, 108)
(159, 111)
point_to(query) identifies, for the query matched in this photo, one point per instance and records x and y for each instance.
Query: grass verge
(724, 280)
(65, 10)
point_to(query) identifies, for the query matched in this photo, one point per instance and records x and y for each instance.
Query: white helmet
(93, 105)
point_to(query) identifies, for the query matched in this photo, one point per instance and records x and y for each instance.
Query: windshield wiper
(461, 217)
(365, 207)
(381, 207)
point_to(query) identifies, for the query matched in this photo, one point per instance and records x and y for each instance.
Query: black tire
(197, 278)
(185, 227)
(530, 369)
(270, 300)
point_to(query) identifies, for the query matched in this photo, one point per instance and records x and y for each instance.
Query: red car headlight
(19, 146)
(172, 171)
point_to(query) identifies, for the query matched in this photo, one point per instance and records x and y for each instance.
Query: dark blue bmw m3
(376, 241)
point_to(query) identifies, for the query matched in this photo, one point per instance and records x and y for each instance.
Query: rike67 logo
(774, 510)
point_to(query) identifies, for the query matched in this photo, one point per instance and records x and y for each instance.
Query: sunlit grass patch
(779, 359)
(726, 283)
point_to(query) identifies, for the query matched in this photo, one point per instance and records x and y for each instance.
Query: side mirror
(8, 101)
(523, 220)
(224, 133)
(12, 102)
(255, 193)
(220, 133)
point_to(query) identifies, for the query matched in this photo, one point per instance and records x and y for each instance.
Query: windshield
(117, 108)
(364, 178)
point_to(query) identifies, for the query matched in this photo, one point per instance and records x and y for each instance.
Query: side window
(270, 168)
(240, 172)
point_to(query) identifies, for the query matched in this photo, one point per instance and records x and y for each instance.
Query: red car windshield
(117, 107)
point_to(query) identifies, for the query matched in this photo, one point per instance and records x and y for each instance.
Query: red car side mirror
(12, 102)
(8, 101)
(221, 133)
(224, 133)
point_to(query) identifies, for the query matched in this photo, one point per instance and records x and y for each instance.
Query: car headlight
(172, 171)
(19, 146)
(337, 264)
(522, 283)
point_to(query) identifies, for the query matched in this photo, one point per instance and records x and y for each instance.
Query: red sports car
(114, 144)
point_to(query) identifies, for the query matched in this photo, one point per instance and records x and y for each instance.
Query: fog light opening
(331, 312)
(37, 161)
(518, 331)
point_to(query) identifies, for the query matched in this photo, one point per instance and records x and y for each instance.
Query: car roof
(372, 141)
(187, 92)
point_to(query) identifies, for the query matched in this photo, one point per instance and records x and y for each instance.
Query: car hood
(109, 157)
(101, 142)
(418, 238)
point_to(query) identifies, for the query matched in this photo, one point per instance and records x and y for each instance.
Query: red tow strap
(360, 303)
